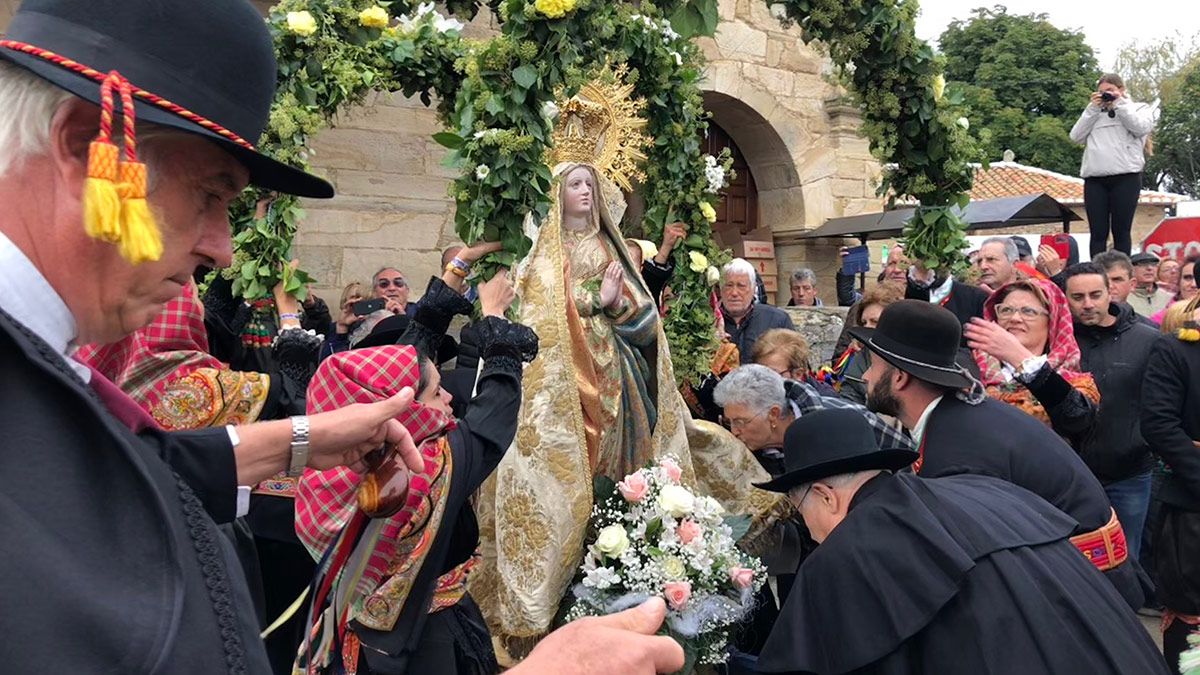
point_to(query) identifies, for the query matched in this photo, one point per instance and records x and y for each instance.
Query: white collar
(918, 430)
(939, 294)
(31, 300)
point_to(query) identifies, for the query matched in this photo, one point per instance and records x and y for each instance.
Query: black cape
(109, 557)
(1020, 449)
(966, 574)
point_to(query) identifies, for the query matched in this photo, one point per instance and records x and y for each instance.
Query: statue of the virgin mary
(601, 397)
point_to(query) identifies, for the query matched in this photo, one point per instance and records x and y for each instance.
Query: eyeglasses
(739, 423)
(398, 282)
(805, 495)
(1028, 313)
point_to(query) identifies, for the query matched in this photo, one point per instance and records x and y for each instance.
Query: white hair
(1010, 247)
(839, 481)
(27, 106)
(741, 266)
(756, 387)
(29, 103)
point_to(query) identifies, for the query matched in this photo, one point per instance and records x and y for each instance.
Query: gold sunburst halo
(602, 125)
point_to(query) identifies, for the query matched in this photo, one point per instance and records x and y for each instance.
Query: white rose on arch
(676, 500)
(612, 541)
(550, 110)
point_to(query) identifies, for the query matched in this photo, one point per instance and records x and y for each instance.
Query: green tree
(1024, 81)
(1177, 138)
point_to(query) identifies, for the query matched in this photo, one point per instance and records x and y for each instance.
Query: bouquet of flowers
(654, 537)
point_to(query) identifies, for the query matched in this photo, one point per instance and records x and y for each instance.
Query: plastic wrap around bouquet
(653, 537)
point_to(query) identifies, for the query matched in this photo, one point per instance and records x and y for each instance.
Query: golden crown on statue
(602, 126)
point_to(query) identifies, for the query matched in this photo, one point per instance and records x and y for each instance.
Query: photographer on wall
(1115, 132)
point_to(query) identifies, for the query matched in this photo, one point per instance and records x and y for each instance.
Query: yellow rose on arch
(709, 213)
(554, 9)
(301, 23)
(374, 17)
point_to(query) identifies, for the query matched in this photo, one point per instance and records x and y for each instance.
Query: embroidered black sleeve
(504, 345)
(439, 306)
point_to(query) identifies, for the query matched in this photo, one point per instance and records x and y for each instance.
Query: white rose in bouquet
(676, 500)
(612, 541)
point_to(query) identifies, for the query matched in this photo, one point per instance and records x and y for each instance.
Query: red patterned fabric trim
(149, 97)
(452, 586)
(277, 486)
(1105, 547)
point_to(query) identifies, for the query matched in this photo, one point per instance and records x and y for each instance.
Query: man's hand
(610, 288)
(1048, 260)
(618, 643)
(394, 306)
(470, 254)
(496, 295)
(672, 235)
(342, 437)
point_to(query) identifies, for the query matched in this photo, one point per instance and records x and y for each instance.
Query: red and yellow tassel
(140, 239)
(101, 203)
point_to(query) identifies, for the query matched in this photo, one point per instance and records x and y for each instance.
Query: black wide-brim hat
(920, 338)
(832, 442)
(206, 67)
(390, 330)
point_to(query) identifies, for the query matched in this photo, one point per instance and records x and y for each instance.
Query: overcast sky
(1107, 24)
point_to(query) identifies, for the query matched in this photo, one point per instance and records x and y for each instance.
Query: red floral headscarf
(326, 500)
(1062, 350)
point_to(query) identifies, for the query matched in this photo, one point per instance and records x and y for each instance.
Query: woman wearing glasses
(1026, 350)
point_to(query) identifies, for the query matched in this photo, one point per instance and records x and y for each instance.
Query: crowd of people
(987, 476)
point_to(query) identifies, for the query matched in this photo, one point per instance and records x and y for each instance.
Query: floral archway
(496, 100)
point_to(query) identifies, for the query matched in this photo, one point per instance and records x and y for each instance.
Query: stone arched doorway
(738, 208)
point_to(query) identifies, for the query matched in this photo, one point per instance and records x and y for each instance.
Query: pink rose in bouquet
(741, 577)
(672, 469)
(634, 488)
(687, 531)
(677, 593)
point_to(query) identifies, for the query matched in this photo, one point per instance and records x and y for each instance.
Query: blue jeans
(1130, 498)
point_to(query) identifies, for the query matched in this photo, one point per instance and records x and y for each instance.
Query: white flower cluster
(714, 173)
(668, 33)
(655, 537)
(440, 23)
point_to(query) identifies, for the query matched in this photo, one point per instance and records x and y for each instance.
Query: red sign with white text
(1174, 238)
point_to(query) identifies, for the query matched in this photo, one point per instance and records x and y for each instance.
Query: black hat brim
(957, 380)
(265, 172)
(888, 459)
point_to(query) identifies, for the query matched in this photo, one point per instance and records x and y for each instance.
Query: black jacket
(1116, 357)
(761, 319)
(109, 559)
(1171, 417)
(999, 440)
(965, 301)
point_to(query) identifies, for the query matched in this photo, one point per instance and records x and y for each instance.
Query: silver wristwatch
(299, 445)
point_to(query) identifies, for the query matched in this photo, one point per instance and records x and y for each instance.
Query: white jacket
(1114, 145)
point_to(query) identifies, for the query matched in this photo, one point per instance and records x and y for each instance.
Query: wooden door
(738, 208)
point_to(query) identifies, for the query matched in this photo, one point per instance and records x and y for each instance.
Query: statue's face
(580, 192)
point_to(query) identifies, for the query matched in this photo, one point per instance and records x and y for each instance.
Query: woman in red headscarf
(395, 550)
(1026, 350)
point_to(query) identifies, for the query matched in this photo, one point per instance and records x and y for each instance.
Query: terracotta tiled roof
(1009, 179)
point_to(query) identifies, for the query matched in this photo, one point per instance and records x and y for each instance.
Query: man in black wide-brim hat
(915, 377)
(964, 574)
(110, 558)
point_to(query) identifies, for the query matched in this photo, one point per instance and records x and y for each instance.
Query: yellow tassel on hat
(140, 240)
(101, 203)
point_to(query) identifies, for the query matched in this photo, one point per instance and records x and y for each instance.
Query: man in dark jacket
(746, 319)
(915, 378)
(1114, 346)
(1171, 425)
(961, 574)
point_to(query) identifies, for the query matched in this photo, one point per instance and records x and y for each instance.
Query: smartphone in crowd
(856, 261)
(365, 307)
(1061, 243)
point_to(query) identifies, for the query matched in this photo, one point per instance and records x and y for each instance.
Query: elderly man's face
(751, 428)
(193, 184)
(391, 285)
(1145, 274)
(804, 293)
(994, 268)
(737, 293)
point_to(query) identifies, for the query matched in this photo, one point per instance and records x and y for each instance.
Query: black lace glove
(297, 353)
(439, 306)
(504, 345)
